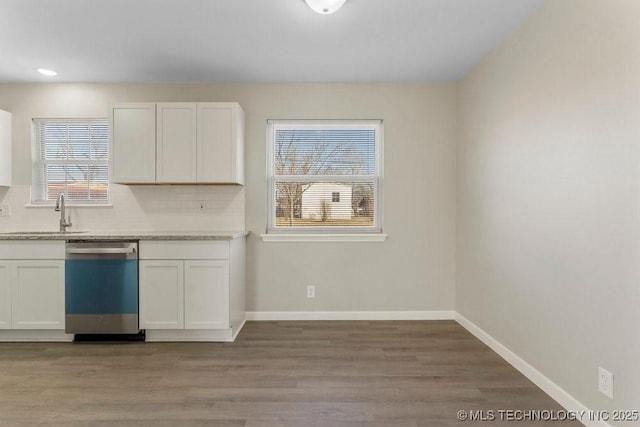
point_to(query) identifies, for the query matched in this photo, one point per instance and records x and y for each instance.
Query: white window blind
(325, 175)
(70, 156)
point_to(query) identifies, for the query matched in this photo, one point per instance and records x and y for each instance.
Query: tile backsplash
(144, 207)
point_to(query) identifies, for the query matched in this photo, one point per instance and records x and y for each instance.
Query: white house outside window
(325, 176)
(70, 156)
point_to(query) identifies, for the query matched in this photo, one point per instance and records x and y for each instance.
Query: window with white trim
(325, 176)
(70, 156)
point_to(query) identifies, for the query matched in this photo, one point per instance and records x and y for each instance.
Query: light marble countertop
(122, 235)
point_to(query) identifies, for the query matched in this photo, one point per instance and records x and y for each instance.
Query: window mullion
(325, 178)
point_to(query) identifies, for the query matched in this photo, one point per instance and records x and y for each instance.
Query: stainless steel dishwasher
(101, 287)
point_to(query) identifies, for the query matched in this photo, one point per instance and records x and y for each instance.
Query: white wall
(548, 245)
(140, 208)
(412, 270)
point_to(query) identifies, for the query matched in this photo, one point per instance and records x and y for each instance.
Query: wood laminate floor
(306, 374)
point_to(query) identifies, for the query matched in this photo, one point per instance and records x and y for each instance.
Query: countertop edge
(125, 235)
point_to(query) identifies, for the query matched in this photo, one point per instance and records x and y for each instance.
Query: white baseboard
(236, 330)
(28, 335)
(552, 389)
(351, 315)
(189, 335)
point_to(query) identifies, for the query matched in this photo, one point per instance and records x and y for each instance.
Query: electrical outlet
(605, 382)
(311, 291)
(4, 210)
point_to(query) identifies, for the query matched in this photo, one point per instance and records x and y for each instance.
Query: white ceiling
(250, 40)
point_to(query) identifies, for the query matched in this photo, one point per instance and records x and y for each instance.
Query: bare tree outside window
(325, 210)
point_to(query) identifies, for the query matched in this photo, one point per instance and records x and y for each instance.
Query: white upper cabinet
(5, 148)
(220, 142)
(133, 143)
(193, 143)
(176, 142)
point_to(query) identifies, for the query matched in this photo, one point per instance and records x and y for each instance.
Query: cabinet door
(5, 295)
(176, 143)
(220, 143)
(133, 143)
(38, 295)
(206, 295)
(5, 148)
(161, 294)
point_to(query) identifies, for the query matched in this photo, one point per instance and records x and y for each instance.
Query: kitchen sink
(45, 232)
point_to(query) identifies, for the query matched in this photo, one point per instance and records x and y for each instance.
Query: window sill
(69, 205)
(322, 238)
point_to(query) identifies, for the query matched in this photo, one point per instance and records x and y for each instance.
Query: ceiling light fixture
(47, 72)
(325, 7)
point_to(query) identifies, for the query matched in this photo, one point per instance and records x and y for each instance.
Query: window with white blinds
(325, 175)
(70, 156)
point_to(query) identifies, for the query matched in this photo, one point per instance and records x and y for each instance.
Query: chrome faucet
(61, 208)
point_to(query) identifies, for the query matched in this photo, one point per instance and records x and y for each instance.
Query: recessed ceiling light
(325, 7)
(47, 72)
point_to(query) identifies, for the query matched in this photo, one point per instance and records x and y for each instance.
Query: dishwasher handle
(131, 249)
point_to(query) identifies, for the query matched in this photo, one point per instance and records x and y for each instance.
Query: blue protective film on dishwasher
(107, 286)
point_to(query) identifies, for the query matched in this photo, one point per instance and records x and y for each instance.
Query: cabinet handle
(127, 250)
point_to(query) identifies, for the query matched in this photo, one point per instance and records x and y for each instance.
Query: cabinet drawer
(32, 249)
(191, 249)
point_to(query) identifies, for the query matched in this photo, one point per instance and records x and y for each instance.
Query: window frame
(328, 233)
(38, 163)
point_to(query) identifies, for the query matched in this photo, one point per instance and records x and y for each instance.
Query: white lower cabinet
(32, 291)
(38, 295)
(186, 287)
(180, 294)
(162, 294)
(5, 295)
(32, 294)
(206, 295)
(189, 290)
